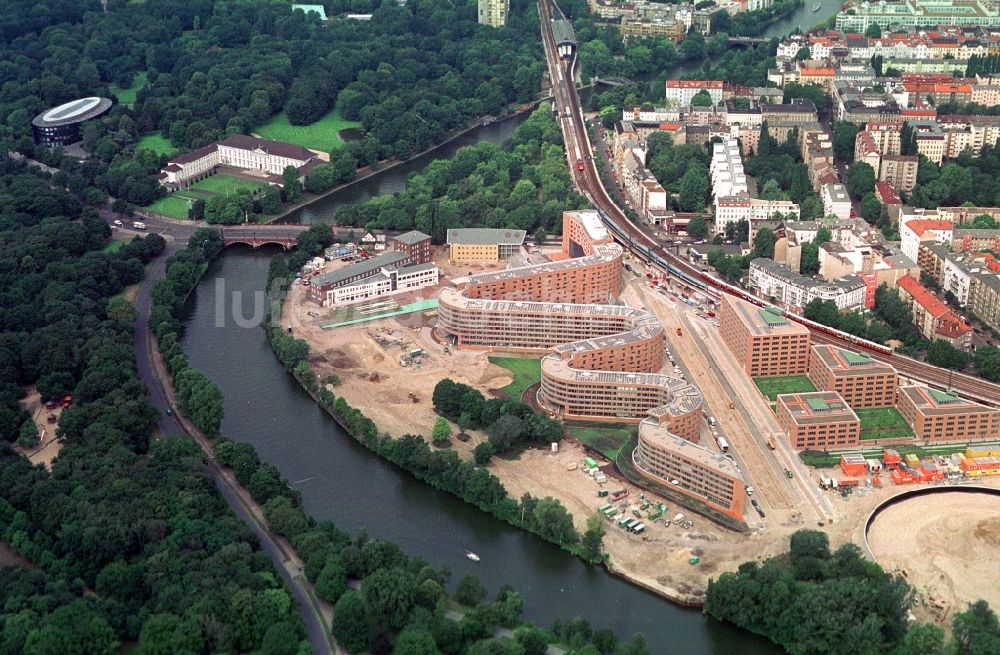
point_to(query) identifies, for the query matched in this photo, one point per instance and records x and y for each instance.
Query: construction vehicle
(680, 332)
(770, 443)
(788, 474)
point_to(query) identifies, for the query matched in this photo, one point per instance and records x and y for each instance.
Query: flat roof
(485, 236)
(817, 407)
(763, 321)
(657, 434)
(935, 402)
(843, 362)
(366, 267)
(73, 111)
(411, 237)
(592, 223)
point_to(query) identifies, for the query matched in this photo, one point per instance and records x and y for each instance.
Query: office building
(415, 244)
(859, 379)
(820, 420)
(763, 342)
(482, 244)
(943, 416)
(60, 126)
(493, 12)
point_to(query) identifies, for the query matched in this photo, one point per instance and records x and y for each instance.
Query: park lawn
(224, 184)
(127, 96)
(113, 246)
(527, 371)
(321, 135)
(173, 206)
(772, 387)
(883, 423)
(605, 439)
(157, 143)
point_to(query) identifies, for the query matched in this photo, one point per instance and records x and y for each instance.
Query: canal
(345, 483)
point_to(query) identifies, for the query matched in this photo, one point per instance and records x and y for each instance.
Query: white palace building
(239, 151)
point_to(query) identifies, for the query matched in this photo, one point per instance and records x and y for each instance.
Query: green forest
(523, 184)
(409, 75)
(814, 601)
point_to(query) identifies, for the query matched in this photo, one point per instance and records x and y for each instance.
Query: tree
(772, 191)
(28, 434)
(987, 361)
(701, 99)
(593, 537)
(332, 580)
(441, 432)
(922, 639)
(871, 208)
(976, 631)
(942, 353)
(763, 243)
(809, 260)
(415, 641)
(388, 595)
(861, 179)
(873, 31)
(983, 222)
(469, 591)
(350, 622)
(504, 432)
(844, 134)
(552, 521)
(291, 185)
(540, 235)
(166, 633)
(280, 639)
(482, 453)
(697, 227)
(693, 187)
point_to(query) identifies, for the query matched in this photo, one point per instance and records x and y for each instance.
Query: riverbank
(365, 358)
(367, 172)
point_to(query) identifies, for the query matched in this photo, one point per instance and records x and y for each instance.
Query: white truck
(138, 225)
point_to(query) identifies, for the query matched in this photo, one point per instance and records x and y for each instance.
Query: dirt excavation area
(946, 544)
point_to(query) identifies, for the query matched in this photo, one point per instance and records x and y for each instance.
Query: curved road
(173, 425)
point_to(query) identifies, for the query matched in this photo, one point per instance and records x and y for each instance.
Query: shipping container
(589, 461)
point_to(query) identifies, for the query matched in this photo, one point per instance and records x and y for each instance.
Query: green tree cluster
(521, 185)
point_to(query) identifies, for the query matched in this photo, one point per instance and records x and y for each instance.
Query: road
(640, 238)
(174, 424)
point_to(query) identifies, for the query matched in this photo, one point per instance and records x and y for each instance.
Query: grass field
(321, 135)
(157, 143)
(223, 184)
(774, 387)
(526, 373)
(114, 246)
(606, 440)
(883, 423)
(174, 206)
(127, 96)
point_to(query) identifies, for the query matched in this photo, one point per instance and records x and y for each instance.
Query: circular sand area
(947, 543)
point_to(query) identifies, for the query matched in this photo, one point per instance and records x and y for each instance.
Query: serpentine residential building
(602, 360)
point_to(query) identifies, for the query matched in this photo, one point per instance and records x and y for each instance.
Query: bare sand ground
(948, 544)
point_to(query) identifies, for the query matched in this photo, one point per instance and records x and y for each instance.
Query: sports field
(127, 96)
(883, 423)
(321, 135)
(173, 205)
(526, 372)
(775, 386)
(223, 184)
(157, 143)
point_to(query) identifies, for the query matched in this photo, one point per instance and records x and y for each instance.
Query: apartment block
(943, 416)
(691, 469)
(899, 170)
(764, 342)
(680, 92)
(859, 379)
(819, 420)
(836, 201)
(493, 12)
(932, 317)
(785, 286)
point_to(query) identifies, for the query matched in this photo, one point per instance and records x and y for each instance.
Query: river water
(345, 483)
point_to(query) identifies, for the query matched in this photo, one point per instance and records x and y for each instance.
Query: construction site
(384, 357)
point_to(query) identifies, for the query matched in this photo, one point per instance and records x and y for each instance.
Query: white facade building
(238, 151)
(773, 280)
(836, 201)
(680, 92)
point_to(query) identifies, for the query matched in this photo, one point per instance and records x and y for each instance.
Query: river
(345, 483)
(393, 180)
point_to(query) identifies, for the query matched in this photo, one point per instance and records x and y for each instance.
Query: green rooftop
(852, 358)
(943, 397)
(771, 317)
(817, 404)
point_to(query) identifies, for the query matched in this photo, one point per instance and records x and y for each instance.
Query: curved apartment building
(603, 359)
